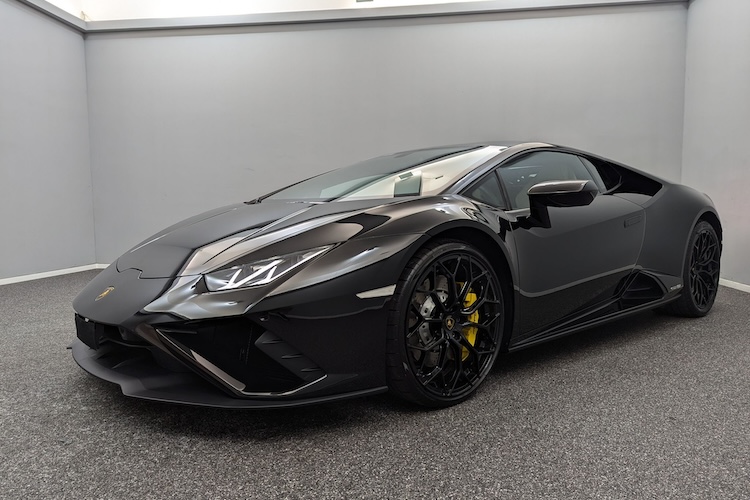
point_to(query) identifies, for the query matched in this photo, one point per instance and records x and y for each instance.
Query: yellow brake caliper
(470, 332)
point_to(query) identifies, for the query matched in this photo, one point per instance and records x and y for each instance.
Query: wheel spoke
(471, 285)
(452, 285)
(482, 326)
(414, 309)
(458, 265)
(474, 355)
(474, 307)
(458, 370)
(438, 303)
(426, 379)
(429, 347)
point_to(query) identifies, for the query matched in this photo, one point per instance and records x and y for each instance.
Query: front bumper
(318, 344)
(140, 376)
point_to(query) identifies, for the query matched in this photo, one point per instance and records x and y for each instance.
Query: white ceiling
(110, 10)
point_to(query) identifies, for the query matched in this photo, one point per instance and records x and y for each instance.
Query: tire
(445, 325)
(700, 275)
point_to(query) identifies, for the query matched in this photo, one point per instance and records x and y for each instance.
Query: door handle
(630, 221)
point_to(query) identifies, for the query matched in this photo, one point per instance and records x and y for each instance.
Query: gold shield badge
(106, 292)
(450, 322)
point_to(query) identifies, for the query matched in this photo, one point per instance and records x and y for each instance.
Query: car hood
(164, 254)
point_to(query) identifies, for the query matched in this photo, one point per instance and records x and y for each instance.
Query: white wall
(717, 120)
(46, 216)
(185, 121)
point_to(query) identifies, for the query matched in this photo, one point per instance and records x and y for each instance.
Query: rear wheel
(445, 325)
(701, 273)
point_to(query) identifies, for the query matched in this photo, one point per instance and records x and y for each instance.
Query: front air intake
(231, 345)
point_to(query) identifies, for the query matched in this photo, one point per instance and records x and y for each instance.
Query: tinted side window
(487, 191)
(609, 175)
(519, 175)
(619, 179)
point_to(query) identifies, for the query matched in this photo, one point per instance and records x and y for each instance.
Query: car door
(576, 258)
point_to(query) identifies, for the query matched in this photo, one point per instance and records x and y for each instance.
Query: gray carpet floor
(649, 407)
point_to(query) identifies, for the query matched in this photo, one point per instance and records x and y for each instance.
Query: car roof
(468, 145)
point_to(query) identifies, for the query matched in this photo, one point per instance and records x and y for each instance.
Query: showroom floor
(650, 407)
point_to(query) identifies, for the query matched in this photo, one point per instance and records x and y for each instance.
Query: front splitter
(141, 377)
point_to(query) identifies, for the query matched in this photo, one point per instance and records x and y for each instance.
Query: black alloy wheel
(701, 273)
(446, 325)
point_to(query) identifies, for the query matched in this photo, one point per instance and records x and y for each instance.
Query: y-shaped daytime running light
(260, 272)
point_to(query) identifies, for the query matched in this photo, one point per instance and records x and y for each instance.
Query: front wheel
(445, 326)
(700, 274)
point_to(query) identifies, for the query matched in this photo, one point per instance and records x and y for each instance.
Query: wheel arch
(496, 255)
(686, 304)
(713, 219)
(707, 215)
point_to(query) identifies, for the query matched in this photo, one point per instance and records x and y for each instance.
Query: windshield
(425, 172)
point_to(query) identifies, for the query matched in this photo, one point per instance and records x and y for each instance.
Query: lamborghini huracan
(409, 272)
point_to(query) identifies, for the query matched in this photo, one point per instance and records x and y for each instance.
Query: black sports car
(407, 272)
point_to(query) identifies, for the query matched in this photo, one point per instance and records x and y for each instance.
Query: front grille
(95, 334)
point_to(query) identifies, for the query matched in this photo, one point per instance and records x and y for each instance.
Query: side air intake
(641, 289)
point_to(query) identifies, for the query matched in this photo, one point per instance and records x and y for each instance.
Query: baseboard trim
(733, 284)
(49, 274)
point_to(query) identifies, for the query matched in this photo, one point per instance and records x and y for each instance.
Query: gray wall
(182, 121)
(717, 120)
(188, 120)
(46, 216)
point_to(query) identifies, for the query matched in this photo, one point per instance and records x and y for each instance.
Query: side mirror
(563, 193)
(558, 194)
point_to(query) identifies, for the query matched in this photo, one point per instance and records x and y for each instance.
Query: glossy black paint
(583, 253)
(318, 333)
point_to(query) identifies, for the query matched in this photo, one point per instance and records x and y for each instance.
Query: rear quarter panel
(670, 217)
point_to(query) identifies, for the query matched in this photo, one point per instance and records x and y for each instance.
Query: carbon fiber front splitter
(141, 377)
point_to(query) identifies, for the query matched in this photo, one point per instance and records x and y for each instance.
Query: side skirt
(568, 329)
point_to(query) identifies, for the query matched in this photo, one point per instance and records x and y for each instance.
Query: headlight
(260, 272)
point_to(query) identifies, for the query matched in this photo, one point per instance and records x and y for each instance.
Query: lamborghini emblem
(106, 292)
(450, 322)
